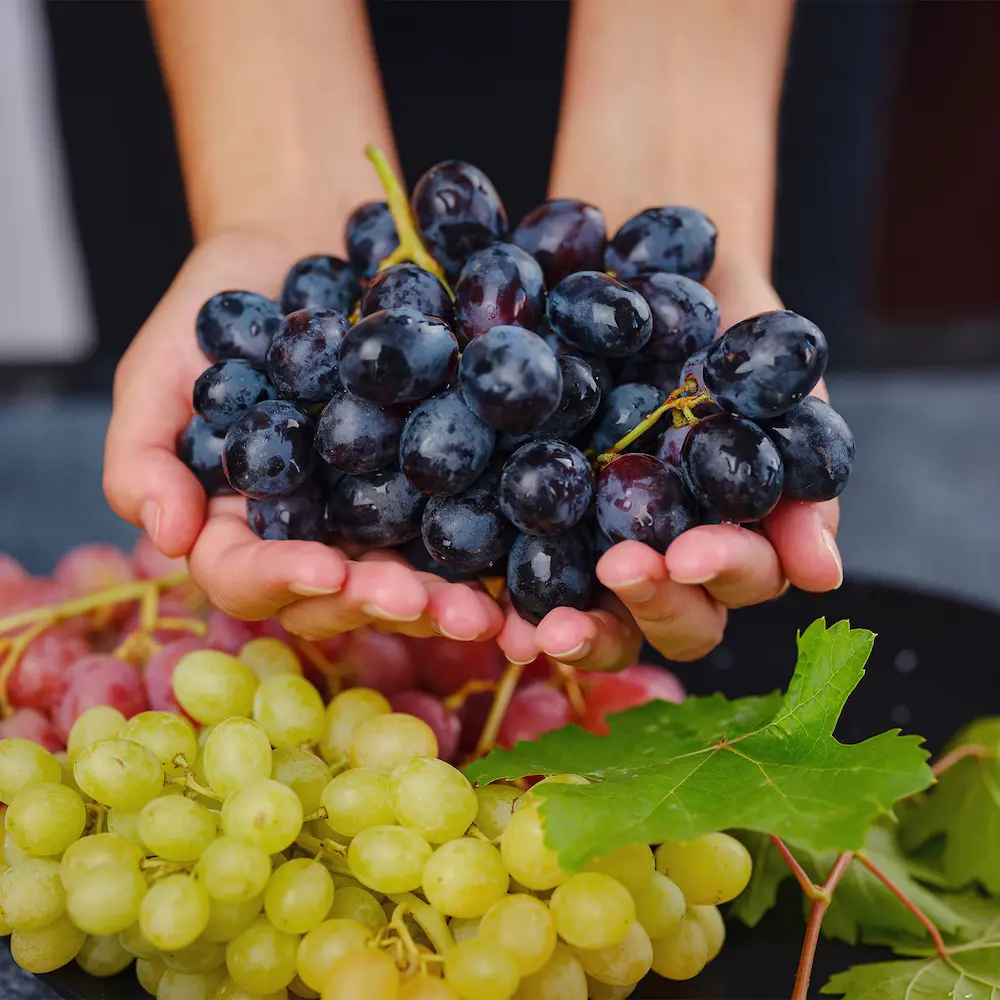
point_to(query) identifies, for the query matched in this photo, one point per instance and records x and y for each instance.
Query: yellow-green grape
(364, 972)
(465, 877)
(174, 912)
(324, 944)
(359, 905)
(289, 709)
(524, 851)
(47, 949)
(298, 896)
(304, 773)
(124, 823)
(620, 964)
(661, 906)
(13, 851)
(66, 766)
(119, 773)
(176, 828)
(96, 724)
(266, 813)
(199, 956)
(481, 970)
(633, 866)
(387, 741)
(232, 870)
(237, 753)
(712, 924)
(45, 819)
(262, 958)
(189, 986)
(683, 953)
(149, 972)
(356, 800)
(103, 956)
(521, 924)
(32, 894)
(345, 713)
(267, 655)
(495, 804)
(343, 881)
(106, 899)
(432, 797)
(592, 910)
(560, 978)
(212, 686)
(388, 858)
(297, 988)
(426, 987)
(463, 928)
(708, 870)
(134, 942)
(228, 920)
(597, 990)
(24, 763)
(168, 736)
(229, 989)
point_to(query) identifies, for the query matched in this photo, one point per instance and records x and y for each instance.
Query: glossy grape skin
(731, 467)
(673, 436)
(694, 368)
(320, 282)
(685, 315)
(269, 450)
(599, 315)
(377, 509)
(300, 515)
(501, 285)
(357, 436)
(549, 572)
(371, 236)
(560, 348)
(563, 235)
(444, 447)
(304, 356)
(626, 406)
(200, 448)
(467, 533)
(416, 554)
(510, 378)
(458, 211)
(237, 325)
(546, 487)
(816, 448)
(398, 356)
(764, 365)
(406, 286)
(641, 498)
(675, 239)
(227, 389)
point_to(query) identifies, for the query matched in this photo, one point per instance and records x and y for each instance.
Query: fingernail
(691, 579)
(576, 653)
(831, 547)
(445, 634)
(376, 611)
(150, 517)
(311, 590)
(635, 591)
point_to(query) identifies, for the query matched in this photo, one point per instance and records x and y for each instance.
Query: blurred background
(888, 211)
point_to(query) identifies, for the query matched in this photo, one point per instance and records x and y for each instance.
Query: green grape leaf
(768, 872)
(771, 764)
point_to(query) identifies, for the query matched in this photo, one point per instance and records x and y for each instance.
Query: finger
(804, 537)
(603, 639)
(517, 637)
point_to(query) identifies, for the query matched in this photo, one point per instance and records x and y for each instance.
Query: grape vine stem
(950, 759)
(501, 702)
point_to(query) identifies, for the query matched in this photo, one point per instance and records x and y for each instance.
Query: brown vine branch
(950, 759)
(806, 884)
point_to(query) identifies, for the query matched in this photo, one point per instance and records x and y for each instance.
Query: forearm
(272, 109)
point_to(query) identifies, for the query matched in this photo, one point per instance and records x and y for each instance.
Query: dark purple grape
(398, 356)
(599, 315)
(467, 533)
(550, 572)
(371, 237)
(694, 369)
(444, 447)
(300, 515)
(816, 448)
(641, 368)
(358, 436)
(732, 467)
(499, 286)
(510, 378)
(546, 487)
(320, 283)
(675, 239)
(237, 325)
(416, 554)
(626, 407)
(764, 365)
(581, 396)
(685, 315)
(224, 391)
(406, 286)
(200, 448)
(599, 366)
(269, 450)
(640, 498)
(675, 434)
(377, 509)
(304, 357)
(564, 235)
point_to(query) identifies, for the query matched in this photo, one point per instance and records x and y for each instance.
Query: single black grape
(764, 365)
(564, 235)
(546, 487)
(467, 533)
(458, 211)
(499, 286)
(398, 356)
(378, 509)
(732, 467)
(675, 239)
(300, 515)
(685, 315)
(816, 448)
(676, 430)
(444, 447)
(320, 282)
(224, 391)
(416, 554)
(510, 378)
(641, 368)
(408, 286)
(304, 357)
(356, 436)
(625, 407)
(371, 237)
(560, 348)
(269, 450)
(599, 314)
(550, 572)
(237, 325)
(581, 396)
(200, 448)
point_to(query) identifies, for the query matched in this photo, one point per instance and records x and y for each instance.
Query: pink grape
(606, 694)
(150, 563)
(11, 570)
(23, 595)
(378, 660)
(425, 706)
(160, 672)
(536, 708)
(39, 680)
(100, 680)
(89, 568)
(228, 634)
(444, 665)
(30, 724)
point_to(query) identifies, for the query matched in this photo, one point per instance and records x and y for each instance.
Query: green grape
(465, 877)
(597, 990)
(262, 958)
(119, 773)
(166, 735)
(521, 924)
(237, 753)
(266, 813)
(45, 819)
(711, 922)
(47, 949)
(495, 806)
(660, 907)
(32, 894)
(228, 920)
(198, 957)
(125, 823)
(424, 986)
(298, 896)
(103, 956)
(303, 772)
(364, 972)
(13, 851)
(432, 797)
(708, 870)
(481, 970)
(619, 964)
(212, 686)
(560, 978)
(176, 828)
(524, 851)
(592, 910)
(356, 800)
(387, 741)
(464, 928)
(106, 899)
(632, 866)
(388, 858)
(66, 767)
(24, 763)
(683, 953)
(232, 870)
(324, 944)
(174, 912)
(289, 709)
(343, 715)
(134, 942)
(189, 986)
(149, 972)
(267, 655)
(229, 990)
(343, 881)
(359, 905)
(100, 722)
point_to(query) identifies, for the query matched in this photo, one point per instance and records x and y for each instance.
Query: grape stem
(950, 759)
(15, 649)
(320, 813)
(429, 920)
(188, 781)
(501, 702)
(476, 685)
